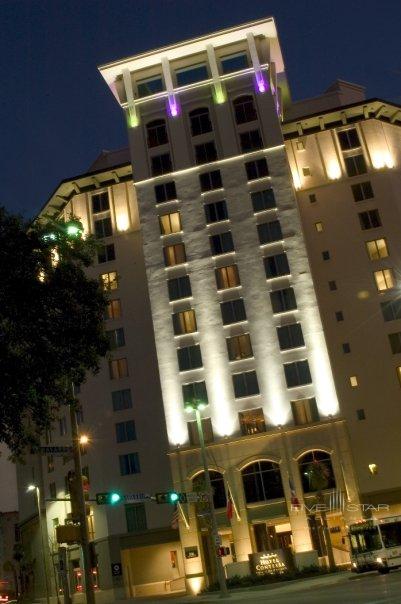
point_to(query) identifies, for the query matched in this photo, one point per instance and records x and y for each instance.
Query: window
(200, 121)
(218, 488)
(398, 370)
(216, 211)
(263, 200)
(355, 165)
(312, 198)
(305, 411)
(221, 243)
(161, 164)
(62, 423)
(250, 141)
(116, 337)
(109, 281)
(135, 515)
(170, 223)
(307, 462)
(184, 322)
(233, 311)
(194, 392)
(156, 133)
(174, 254)
(118, 368)
(290, 336)
(339, 315)
(50, 463)
(150, 86)
(300, 145)
(189, 75)
(125, 431)
(234, 62)
(244, 108)
(369, 219)
(189, 357)
(245, 384)
(391, 309)
(276, 266)
(129, 464)
(384, 279)
(377, 249)
(113, 309)
(306, 171)
(362, 190)
(256, 169)
(52, 490)
(269, 232)
(227, 276)
(297, 373)
(360, 414)
(319, 227)
(179, 288)
(106, 253)
(165, 192)
(205, 152)
(210, 181)
(207, 432)
(346, 348)
(348, 139)
(252, 421)
(239, 347)
(283, 300)
(353, 380)
(103, 227)
(121, 399)
(332, 286)
(262, 481)
(100, 202)
(395, 342)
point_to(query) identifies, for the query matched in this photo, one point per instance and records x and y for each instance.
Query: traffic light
(171, 497)
(111, 498)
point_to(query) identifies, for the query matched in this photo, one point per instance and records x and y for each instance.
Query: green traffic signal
(111, 498)
(173, 497)
(115, 498)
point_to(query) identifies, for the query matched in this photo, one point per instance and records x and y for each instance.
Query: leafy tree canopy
(51, 324)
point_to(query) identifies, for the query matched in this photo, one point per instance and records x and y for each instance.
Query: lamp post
(30, 489)
(197, 406)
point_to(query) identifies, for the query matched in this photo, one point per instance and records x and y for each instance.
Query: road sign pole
(62, 561)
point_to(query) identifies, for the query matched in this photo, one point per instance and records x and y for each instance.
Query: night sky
(57, 113)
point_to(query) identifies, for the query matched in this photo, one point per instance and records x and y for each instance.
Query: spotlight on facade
(83, 439)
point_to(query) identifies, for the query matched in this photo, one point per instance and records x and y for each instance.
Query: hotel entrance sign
(274, 562)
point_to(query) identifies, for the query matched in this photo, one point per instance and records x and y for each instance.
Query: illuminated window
(113, 309)
(250, 141)
(210, 181)
(263, 200)
(370, 220)
(306, 464)
(200, 121)
(305, 411)
(179, 288)
(233, 311)
(174, 254)
(262, 481)
(129, 464)
(135, 515)
(398, 370)
(116, 337)
(215, 211)
(348, 139)
(269, 232)
(165, 192)
(103, 228)
(391, 309)
(353, 380)
(207, 433)
(150, 86)
(161, 164)
(100, 202)
(384, 279)
(245, 384)
(283, 300)
(227, 276)
(362, 190)
(297, 374)
(395, 342)
(222, 243)
(377, 249)
(121, 399)
(244, 108)
(118, 368)
(170, 223)
(239, 347)
(106, 253)
(189, 75)
(184, 322)
(205, 153)
(319, 226)
(355, 165)
(306, 171)
(109, 281)
(235, 62)
(194, 392)
(189, 357)
(157, 133)
(290, 336)
(252, 421)
(125, 431)
(256, 169)
(276, 266)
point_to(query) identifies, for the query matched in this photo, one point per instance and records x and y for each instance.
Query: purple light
(172, 107)
(261, 83)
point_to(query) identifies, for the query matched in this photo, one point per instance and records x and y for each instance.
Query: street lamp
(30, 489)
(83, 439)
(197, 405)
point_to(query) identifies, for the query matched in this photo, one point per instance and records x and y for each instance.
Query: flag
(294, 499)
(229, 509)
(175, 518)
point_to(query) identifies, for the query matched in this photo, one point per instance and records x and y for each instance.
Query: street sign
(137, 497)
(197, 496)
(217, 540)
(59, 450)
(116, 569)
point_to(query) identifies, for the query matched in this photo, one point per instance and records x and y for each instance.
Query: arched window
(157, 133)
(244, 107)
(200, 121)
(262, 481)
(219, 491)
(322, 461)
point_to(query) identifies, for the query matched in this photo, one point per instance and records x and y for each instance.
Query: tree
(51, 324)
(319, 475)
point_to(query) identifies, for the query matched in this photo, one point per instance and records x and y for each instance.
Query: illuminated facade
(233, 304)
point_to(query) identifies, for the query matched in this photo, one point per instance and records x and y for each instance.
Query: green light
(115, 498)
(73, 229)
(133, 120)
(220, 97)
(174, 497)
(49, 237)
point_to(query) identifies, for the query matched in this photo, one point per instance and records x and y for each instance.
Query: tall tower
(233, 304)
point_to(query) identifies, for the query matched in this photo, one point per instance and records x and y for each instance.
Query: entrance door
(265, 537)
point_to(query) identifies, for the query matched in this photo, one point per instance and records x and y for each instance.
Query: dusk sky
(57, 114)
